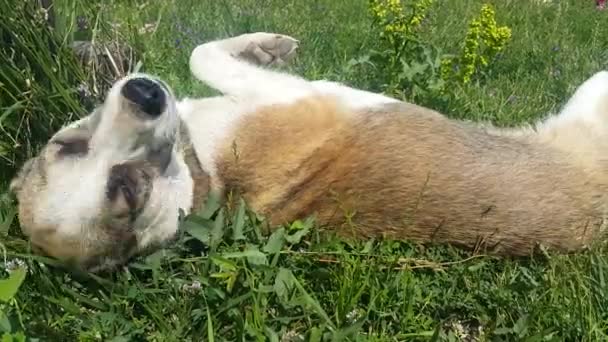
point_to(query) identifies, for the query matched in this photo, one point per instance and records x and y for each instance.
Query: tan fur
(407, 172)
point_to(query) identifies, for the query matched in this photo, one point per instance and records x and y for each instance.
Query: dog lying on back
(110, 186)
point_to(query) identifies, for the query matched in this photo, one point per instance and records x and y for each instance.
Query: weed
(411, 68)
(484, 40)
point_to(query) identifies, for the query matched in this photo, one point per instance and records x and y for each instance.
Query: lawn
(225, 281)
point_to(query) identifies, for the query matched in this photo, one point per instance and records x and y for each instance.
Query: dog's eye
(129, 193)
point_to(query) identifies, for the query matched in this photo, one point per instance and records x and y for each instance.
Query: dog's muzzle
(147, 95)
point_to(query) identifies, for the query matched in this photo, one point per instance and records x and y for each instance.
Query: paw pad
(269, 49)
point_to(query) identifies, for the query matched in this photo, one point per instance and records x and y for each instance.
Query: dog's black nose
(147, 94)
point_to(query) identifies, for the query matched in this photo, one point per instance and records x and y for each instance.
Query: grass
(33, 99)
(225, 281)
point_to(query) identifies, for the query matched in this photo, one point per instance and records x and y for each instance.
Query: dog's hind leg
(588, 105)
(581, 127)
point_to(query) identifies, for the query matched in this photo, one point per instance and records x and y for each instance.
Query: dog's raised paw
(269, 48)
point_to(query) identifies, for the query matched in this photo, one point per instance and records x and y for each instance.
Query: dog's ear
(72, 142)
(18, 180)
(74, 139)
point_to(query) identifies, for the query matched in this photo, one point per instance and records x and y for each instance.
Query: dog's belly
(408, 173)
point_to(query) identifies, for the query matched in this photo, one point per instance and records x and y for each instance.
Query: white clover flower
(353, 316)
(192, 288)
(291, 336)
(83, 89)
(14, 264)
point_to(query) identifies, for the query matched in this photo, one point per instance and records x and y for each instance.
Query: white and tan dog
(110, 186)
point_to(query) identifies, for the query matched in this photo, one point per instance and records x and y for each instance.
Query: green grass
(225, 281)
(33, 79)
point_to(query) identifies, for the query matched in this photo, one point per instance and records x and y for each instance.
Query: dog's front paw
(264, 49)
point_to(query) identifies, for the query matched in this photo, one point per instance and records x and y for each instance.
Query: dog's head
(110, 185)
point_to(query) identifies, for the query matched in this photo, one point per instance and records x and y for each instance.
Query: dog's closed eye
(128, 190)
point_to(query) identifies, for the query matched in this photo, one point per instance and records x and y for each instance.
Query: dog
(110, 186)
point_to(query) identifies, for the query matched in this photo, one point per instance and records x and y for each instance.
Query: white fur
(210, 121)
(74, 192)
(169, 195)
(351, 97)
(588, 105)
(214, 64)
(581, 127)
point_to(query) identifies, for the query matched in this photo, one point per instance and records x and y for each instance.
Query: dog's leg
(236, 67)
(586, 109)
(589, 104)
(581, 127)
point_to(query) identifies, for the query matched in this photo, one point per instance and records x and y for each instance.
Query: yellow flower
(483, 41)
(397, 21)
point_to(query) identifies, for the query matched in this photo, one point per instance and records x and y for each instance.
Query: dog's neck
(201, 179)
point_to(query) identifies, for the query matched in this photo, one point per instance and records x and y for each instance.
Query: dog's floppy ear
(74, 139)
(19, 178)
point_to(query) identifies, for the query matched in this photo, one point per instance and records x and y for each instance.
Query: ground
(227, 281)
